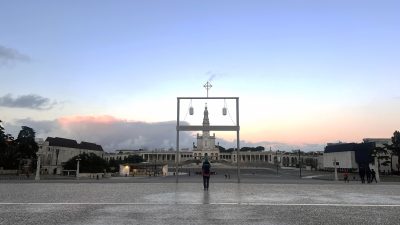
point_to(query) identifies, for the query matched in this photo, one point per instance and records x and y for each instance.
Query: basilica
(206, 142)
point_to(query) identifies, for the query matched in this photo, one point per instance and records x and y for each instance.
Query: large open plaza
(199, 112)
(262, 197)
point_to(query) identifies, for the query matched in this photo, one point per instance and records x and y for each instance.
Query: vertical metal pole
(77, 169)
(37, 177)
(237, 140)
(277, 163)
(177, 141)
(336, 175)
(300, 163)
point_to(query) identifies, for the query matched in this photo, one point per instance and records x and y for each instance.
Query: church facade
(206, 142)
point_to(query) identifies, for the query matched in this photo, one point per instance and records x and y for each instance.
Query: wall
(345, 159)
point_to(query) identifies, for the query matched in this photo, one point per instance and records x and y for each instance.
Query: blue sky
(329, 68)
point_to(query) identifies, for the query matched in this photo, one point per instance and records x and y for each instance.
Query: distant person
(205, 169)
(346, 176)
(368, 172)
(373, 176)
(361, 172)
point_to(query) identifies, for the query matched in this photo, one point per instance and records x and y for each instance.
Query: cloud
(8, 55)
(110, 132)
(31, 101)
(212, 75)
(114, 134)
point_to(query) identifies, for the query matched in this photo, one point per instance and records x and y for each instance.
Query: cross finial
(208, 86)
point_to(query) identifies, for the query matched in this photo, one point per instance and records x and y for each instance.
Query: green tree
(27, 146)
(381, 153)
(221, 149)
(134, 159)
(89, 163)
(113, 165)
(259, 148)
(3, 142)
(8, 150)
(252, 149)
(395, 147)
(13, 151)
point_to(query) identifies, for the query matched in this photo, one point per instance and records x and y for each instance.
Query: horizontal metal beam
(208, 128)
(208, 97)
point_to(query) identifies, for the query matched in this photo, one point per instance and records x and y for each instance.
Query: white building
(353, 155)
(205, 142)
(54, 152)
(344, 156)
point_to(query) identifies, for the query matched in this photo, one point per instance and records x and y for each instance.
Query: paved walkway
(187, 203)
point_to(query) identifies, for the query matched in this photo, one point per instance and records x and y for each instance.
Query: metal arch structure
(208, 128)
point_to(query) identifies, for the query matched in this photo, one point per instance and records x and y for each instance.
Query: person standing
(373, 176)
(361, 171)
(205, 170)
(368, 173)
(346, 176)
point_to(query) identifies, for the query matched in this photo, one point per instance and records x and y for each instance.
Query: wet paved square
(186, 203)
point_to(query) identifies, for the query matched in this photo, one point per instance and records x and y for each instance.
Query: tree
(221, 149)
(24, 148)
(259, 149)
(134, 159)
(89, 163)
(395, 147)
(252, 149)
(27, 146)
(113, 165)
(381, 153)
(8, 152)
(3, 144)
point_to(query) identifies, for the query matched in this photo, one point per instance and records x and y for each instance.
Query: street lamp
(77, 167)
(277, 162)
(300, 162)
(155, 167)
(335, 163)
(37, 177)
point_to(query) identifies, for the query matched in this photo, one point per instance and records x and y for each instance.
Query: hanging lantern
(191, 111)
(224, 109)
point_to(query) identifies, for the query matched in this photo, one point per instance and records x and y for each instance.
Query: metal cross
(207, 86)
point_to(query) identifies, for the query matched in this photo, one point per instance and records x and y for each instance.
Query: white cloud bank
(113, 133)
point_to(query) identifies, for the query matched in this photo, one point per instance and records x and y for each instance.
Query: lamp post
(335, 165)
(300, 162)
(37, 177)
(77, 167)
(155, 167)
(277, 162)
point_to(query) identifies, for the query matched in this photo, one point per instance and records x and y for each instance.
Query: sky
(306, 72)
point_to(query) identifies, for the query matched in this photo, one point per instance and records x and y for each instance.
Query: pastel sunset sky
(306, 72)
